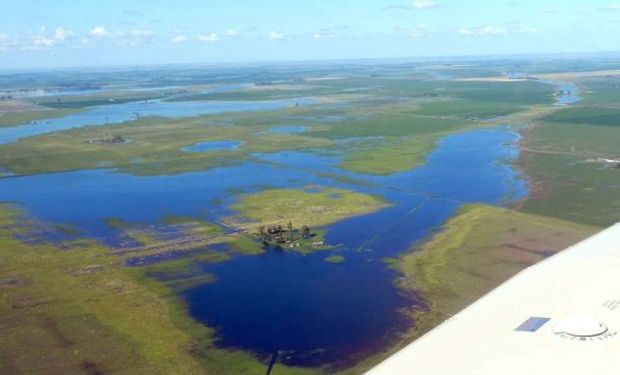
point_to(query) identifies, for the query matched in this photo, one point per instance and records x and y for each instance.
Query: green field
(560, 159)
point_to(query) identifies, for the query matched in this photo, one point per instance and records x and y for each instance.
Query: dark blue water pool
(313, 311)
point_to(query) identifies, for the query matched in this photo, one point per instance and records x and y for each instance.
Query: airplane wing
(560, 316)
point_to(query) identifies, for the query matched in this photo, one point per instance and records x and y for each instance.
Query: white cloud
(8, 41)
(99, 32)
(61, 34)
(179, 39)
(419, 31)
(142, 34)
(416, 4)
(424, 4)
(525, 30)
(492, 30)
(317, 36)
(612, 6)
(276, 35)
(209, 38)
(232, 32)
(483, 30)
(41, 42)
(134, 37)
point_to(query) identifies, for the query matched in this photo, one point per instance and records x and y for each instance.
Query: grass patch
(334, 259)
(468, 109)
(312, 208)
(587, 115)
(563, 183)
(70, 311)
(155, 148)
(26, 117)
(390, 155)
(478, 249)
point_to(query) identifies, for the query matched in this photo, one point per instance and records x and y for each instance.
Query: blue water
(119, 113)
(213, 146)
(312, 311)
(288, 129)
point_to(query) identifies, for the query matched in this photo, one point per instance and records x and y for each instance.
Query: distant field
(587, 115)
(107, 98)
(579, 74)
(565, 181)
(26, 117)
(155, 147)
(468, 109)
(600, 90)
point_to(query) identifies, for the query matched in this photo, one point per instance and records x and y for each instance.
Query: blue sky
(44, 33)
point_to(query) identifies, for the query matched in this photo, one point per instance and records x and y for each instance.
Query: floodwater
(213, 146)
(119, 113)
(288, 129)
(567, 93)
(311, 311)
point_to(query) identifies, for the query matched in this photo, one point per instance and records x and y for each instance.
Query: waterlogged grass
(335, 259)
(314, 207)
(26, 117)
(155, 147)
(246, 245)
(91, 100)
(79, 310)
(392, 122)
(193, 226)
(390, 155)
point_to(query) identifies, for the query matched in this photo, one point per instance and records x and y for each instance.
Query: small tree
(305, 231)
(289, 228)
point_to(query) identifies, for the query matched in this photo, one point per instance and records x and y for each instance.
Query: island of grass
(11, 119)
(335, 259)
(291, 216)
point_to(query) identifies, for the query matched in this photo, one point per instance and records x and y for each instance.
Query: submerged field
(138, 213)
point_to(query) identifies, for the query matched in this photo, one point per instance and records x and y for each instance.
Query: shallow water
(119, 113)
(288, 129)
(313, 311)
(213, 146)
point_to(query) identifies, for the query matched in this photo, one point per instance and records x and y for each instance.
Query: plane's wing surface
(561, 316)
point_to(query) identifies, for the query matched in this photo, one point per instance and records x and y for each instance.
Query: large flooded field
(270, 209)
